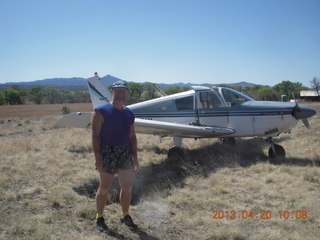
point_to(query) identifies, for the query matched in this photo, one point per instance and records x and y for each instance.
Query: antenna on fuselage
(158, 90)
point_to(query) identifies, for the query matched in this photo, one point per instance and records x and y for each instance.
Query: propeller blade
(306, 123)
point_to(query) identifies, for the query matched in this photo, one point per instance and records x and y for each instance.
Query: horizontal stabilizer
(76, 119)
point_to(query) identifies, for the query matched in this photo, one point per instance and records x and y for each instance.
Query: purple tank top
(116, 127)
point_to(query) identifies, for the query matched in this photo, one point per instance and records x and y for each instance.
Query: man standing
(114, 144)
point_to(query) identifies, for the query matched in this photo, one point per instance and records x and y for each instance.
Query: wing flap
(179, 130)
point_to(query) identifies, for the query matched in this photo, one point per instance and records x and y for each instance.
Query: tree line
(42, 95)
(257, 92)
(290, 89)
(141, 92)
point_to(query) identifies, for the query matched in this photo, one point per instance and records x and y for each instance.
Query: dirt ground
(41, 110)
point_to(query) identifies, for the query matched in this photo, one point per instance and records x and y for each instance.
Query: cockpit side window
(185, 103)
(233, 97)
(209, 99)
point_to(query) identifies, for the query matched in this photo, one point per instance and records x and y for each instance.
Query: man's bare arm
(134, 148)
(96, 124)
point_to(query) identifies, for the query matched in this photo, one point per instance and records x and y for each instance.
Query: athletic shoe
(127, 220)
(101, 225)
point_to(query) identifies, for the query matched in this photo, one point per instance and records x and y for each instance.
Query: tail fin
(99, 93)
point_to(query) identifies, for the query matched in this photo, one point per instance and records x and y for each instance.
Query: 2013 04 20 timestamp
(262, 214)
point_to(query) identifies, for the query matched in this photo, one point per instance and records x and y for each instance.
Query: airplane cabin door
(240, 118)
(210, 110)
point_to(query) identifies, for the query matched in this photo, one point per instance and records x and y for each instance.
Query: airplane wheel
(278, 156)
(176, 152)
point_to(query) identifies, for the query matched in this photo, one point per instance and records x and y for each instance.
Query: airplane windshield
(209, 99)
(233, 98)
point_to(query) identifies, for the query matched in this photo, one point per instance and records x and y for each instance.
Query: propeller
(298, 113)
(306, 123)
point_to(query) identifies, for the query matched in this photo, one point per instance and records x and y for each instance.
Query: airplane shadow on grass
(171, 172)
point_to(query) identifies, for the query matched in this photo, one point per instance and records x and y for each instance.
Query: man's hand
(99, 165)
(136, 166)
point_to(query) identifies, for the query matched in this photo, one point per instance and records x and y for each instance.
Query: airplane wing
(178, 130)
(83, 119)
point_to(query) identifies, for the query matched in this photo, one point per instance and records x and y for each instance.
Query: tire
(176, 153)
(278, 156)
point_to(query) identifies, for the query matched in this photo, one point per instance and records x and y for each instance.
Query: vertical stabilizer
(99, 93)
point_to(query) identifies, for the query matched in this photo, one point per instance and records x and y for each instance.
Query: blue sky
(198, 41)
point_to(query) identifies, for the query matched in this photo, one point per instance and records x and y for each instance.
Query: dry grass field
(48, 182)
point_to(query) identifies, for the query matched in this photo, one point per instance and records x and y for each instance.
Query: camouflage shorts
(116, 157)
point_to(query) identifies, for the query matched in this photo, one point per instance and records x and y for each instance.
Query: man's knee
(126, 188)
(126, 178)
(102, 191)
(105, 182)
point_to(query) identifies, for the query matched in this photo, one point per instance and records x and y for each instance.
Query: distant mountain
(78, 83)
(180, 84)
(75, 81)
(242, 84)
(108, 80)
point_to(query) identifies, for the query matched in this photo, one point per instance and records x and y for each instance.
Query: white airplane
(203, 112)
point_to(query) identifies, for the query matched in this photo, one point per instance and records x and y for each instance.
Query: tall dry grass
(48, 182)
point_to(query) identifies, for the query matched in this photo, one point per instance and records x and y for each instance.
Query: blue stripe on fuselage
(215, 114)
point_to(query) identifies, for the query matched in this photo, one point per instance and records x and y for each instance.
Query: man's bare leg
(102, 193)
(126, 182)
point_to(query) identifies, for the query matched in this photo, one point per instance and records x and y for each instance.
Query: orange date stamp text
(262, 214)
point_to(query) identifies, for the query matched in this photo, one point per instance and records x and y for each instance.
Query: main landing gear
(276, 152)
(177, 151)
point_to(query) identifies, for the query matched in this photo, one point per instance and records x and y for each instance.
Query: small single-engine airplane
(203, 112)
